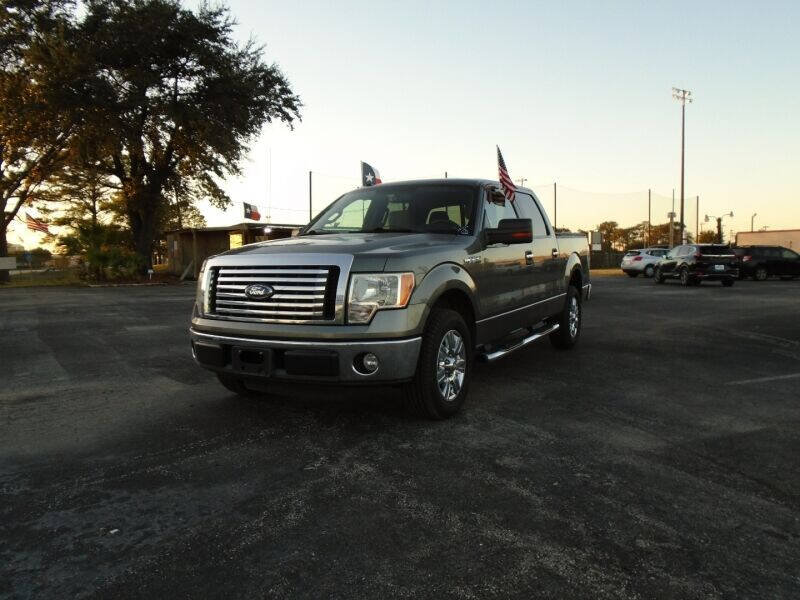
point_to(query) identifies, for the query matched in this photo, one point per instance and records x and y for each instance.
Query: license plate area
(251, 360)
(719, 267)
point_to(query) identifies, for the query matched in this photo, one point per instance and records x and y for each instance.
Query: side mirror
(511, 231)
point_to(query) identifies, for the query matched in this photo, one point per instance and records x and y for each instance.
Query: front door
(501, 271)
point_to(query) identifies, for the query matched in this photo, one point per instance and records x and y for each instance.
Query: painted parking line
(764, 379)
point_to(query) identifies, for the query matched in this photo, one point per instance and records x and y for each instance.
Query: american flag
(508, 186)
(35, 224)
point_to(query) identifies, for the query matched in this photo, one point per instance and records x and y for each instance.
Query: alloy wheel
(451, 365)
(574, 317)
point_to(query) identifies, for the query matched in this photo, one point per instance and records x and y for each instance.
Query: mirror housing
(511, 231)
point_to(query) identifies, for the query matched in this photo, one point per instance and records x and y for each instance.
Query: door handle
(555, 253)
(528, 257)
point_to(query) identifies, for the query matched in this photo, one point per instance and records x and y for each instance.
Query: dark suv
(763, 262)
(694, 263)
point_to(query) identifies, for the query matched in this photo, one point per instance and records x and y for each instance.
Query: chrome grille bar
(301, 294)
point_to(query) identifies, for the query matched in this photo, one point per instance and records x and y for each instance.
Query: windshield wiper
(388, 230)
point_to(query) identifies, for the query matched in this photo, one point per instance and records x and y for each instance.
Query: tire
(658, 276)
(685, 279)
(569, 321)
(235, 385)
(423, 395)
(632, 274)
(760, 274)
(648, 271)
(728, 282)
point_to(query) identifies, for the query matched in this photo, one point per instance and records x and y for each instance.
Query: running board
(493, 356)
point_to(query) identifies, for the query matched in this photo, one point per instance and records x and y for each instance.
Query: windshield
(425, 208)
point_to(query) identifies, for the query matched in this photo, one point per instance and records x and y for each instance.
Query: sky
(576, 93)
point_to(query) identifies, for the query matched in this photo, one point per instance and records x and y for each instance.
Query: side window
(494, 213)
(676, 252)
(789, 255)
(530, 210)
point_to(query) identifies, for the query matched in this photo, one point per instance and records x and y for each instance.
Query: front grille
(300, 293)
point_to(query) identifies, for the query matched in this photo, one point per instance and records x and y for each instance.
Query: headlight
(203, 299)
(371, 292)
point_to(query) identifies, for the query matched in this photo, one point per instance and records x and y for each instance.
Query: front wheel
(685, 279)
(441, 382)
(648, 271)
(658, 276)
(760, 274)
(569, 321)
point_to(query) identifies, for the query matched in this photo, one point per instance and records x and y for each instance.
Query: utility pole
(445, 174)
(752, 219)
(697, 220)
(310, 209)
(648, 216)
(555, 206)
(682, 96)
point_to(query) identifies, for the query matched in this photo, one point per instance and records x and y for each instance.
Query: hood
(385, 245)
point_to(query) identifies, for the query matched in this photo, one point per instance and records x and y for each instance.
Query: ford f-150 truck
(402, 284)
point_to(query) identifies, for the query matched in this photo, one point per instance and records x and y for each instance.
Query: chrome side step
(493, 356)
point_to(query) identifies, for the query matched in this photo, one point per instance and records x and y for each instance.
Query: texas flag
(251, 212)
(369, 175)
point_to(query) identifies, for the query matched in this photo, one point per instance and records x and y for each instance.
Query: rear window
(715, 250)
(632, 253)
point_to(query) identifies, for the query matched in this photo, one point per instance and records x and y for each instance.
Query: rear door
(790, 263)
(546, 272)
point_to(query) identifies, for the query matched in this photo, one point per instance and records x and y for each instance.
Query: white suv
(642, 261)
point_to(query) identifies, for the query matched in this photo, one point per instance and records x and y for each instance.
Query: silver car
(642, 261)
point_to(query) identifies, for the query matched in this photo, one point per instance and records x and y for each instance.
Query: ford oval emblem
(258, 291)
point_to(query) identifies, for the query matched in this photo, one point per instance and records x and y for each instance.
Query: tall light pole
(682, 96)
(719, 224)
(752, 219)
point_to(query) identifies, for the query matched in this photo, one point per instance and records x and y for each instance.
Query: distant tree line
(118, 117)
(620, 239)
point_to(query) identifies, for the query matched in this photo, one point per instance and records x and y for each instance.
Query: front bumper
(321, 361)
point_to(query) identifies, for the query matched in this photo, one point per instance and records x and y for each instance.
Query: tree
(75, 194)
(707, 237)
(36, 122)
(610, 233)
(173, 101)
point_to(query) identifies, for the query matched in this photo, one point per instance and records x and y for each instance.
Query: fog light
(366, 364)
(370, 362)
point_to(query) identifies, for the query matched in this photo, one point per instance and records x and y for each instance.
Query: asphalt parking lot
(659, 459)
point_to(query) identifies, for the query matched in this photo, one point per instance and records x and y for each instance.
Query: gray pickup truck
(402, 284)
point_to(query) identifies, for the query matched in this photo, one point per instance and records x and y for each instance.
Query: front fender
(443, 278)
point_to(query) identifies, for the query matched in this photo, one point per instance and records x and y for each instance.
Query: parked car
(401, 284)
(695, 263)
(763, 262)
(643, 261)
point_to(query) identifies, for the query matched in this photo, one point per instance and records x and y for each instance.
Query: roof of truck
(452, 181)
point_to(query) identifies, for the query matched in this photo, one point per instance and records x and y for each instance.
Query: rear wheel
(648, 271)
(728, 282)
(632, 274)
(569, 321)
(441, 382)
(760, 274)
